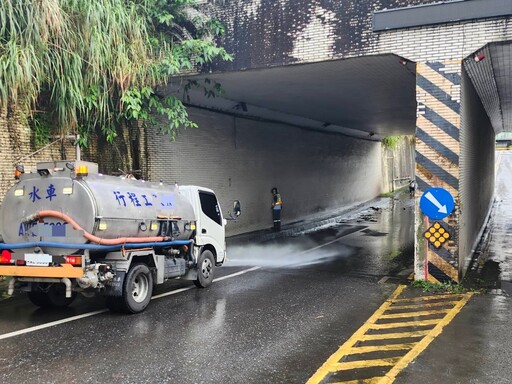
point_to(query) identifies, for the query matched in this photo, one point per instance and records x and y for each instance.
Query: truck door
(211, 228)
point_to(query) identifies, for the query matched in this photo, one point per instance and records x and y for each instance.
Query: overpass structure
(349, 73)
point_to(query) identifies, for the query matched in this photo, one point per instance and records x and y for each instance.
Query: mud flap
(115, 288)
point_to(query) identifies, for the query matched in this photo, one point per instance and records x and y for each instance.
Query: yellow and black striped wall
(438, 90)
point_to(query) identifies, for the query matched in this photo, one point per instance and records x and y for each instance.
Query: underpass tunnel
(461, 108)
(312, 130)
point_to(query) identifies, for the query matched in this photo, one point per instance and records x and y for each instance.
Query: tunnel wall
(398, 164)
(477, 177)
(316, 173)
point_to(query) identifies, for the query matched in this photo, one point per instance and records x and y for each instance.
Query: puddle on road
(282, 256)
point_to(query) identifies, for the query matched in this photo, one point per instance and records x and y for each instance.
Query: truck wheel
(53, 296)
(114, 304)
(137, 289)
(39, 298)
(205, 269)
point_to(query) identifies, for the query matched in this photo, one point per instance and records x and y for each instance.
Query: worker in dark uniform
(277, 205)
(412, 187)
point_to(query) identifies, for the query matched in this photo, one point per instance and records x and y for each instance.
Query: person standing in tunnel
(412, 187)
(277, 205)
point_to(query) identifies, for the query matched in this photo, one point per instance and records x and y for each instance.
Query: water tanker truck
(67, 229)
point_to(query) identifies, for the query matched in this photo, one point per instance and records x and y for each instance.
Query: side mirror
(237, 210)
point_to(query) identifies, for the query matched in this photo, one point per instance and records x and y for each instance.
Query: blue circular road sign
(437, 203)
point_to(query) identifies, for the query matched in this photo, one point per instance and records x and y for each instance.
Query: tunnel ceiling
(371, 96)
(491, 77)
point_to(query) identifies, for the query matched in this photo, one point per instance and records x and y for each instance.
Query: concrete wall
(398, 164)
(477, 177)
(316, 173)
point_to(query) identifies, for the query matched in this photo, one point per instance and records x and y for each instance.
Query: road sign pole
(426, 223)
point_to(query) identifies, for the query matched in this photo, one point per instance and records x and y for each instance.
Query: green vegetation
(77, 66)
(450, 287)
(390, 142)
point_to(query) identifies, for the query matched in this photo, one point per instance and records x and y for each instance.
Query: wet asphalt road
(275, 324)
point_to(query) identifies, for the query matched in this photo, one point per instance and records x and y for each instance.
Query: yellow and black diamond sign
(437, 235)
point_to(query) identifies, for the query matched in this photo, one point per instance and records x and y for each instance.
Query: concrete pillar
(438, 124)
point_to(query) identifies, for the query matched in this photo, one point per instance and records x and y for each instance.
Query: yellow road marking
(365, 364)
(410, 350)
(426, 298)
(405, 324)
(423, 305)
(414, 314)
(373, 380)
(378, 348)
(396, 335)
(423, 344)
(325, 369)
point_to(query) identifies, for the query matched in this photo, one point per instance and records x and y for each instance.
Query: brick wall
(243, 159)
(17, 147)
(263, 33)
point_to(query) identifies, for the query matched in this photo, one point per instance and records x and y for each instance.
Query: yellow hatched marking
(424, 343)
(348, 365)
(373, 380)
(327, 367)
(397, 335)
(422, 306)
(428, 298)
(412, 349)
(414, 314)
(379, 348)
(405, 324)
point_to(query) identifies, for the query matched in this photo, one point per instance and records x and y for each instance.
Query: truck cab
(210, 226)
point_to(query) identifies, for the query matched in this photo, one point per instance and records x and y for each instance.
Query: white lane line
(89, 314)
(78, 317)
(51, 324)
(236, 274)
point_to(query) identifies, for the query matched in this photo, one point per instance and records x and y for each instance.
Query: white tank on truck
(67, 229)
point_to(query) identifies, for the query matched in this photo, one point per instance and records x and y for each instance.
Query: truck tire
(205, 270)
(53, 296)
(137, 290)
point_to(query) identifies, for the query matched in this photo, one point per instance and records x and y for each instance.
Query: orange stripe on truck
(64, 270)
